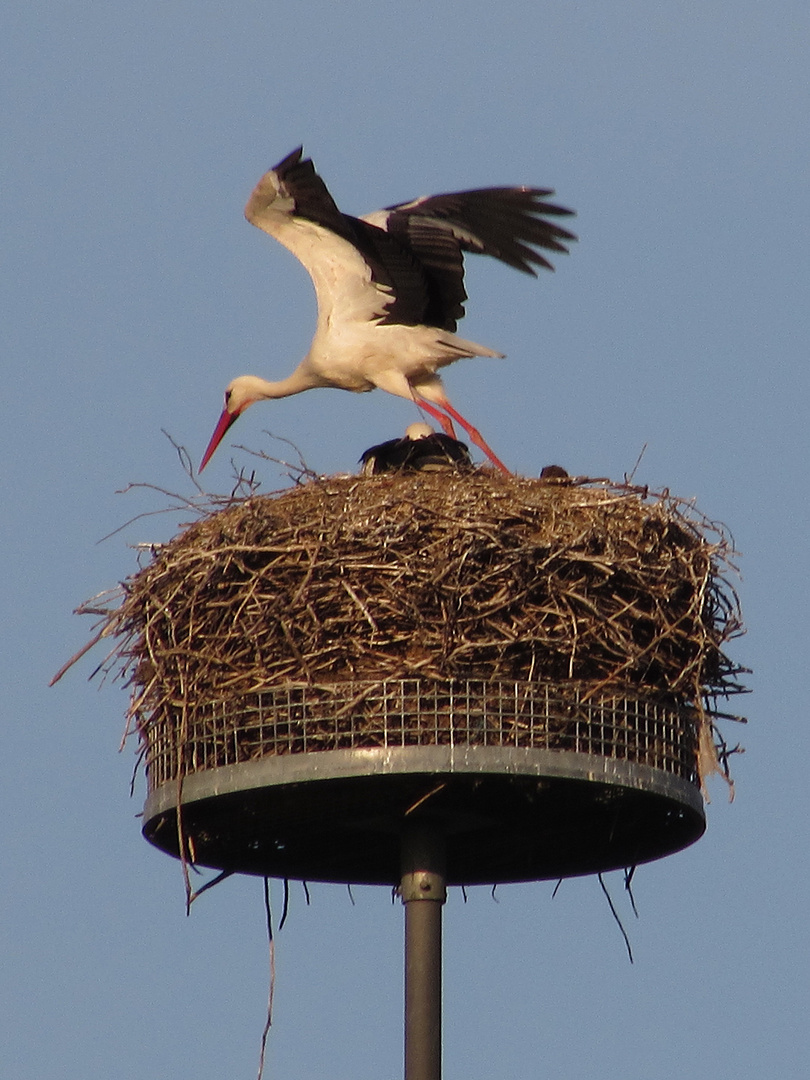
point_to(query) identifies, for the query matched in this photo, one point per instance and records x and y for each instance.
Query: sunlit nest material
(420, 609)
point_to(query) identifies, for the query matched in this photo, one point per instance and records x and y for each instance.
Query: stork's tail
(462, 349)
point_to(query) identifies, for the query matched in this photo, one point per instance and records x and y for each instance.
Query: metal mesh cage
(351, 715)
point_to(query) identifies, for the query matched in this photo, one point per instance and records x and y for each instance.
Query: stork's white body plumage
(389, 286)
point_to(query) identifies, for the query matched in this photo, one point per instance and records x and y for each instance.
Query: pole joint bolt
(423, 885)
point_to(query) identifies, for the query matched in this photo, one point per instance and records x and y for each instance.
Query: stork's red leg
(475, 437)
(437, 414)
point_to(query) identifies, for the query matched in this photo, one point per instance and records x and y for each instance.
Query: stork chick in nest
(421, 449)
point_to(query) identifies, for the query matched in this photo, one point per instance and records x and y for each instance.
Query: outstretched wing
(510, 224)
(507, 223)
(360, 273)
(292, 189)
(403, 264)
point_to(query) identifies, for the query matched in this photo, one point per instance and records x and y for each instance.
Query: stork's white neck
(249, 388)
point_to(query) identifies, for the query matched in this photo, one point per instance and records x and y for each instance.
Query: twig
(210, 884)
(301, 469)
(285, 906)
(77, 656)
(272, 951)
(629, 479)
(185, 461)
(424, 798)
(628, 884)
(616, 917)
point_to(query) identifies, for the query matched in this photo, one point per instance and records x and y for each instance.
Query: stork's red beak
(223, 424)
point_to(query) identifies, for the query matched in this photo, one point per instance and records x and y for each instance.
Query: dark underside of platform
(497, 827)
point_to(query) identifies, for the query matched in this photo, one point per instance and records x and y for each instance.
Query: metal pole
(423, 892)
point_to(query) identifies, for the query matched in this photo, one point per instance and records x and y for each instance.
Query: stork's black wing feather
(415, 250)
(508, 223)
(298, 181)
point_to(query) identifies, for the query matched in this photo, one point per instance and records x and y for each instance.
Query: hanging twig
(285, 906)
(616, 917)
(210, 884)
(272, 951)
(628, 884)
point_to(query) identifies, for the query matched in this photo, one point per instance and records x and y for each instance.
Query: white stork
(420, 450)
(390, 286)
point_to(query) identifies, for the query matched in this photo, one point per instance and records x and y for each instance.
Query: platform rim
(328, 765)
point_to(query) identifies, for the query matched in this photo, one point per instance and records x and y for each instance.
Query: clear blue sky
(134, 290)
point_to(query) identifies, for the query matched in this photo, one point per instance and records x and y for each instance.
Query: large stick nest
(441, 576)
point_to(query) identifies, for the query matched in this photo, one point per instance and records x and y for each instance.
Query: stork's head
(418, 430)
(238, 395)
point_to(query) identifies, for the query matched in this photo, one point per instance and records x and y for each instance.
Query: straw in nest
(443, 576)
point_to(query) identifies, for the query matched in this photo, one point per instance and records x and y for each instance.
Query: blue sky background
(133, 290)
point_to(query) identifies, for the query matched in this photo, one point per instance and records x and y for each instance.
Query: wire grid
(350, 715)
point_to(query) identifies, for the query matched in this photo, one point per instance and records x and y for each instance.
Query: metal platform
(524, 782)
